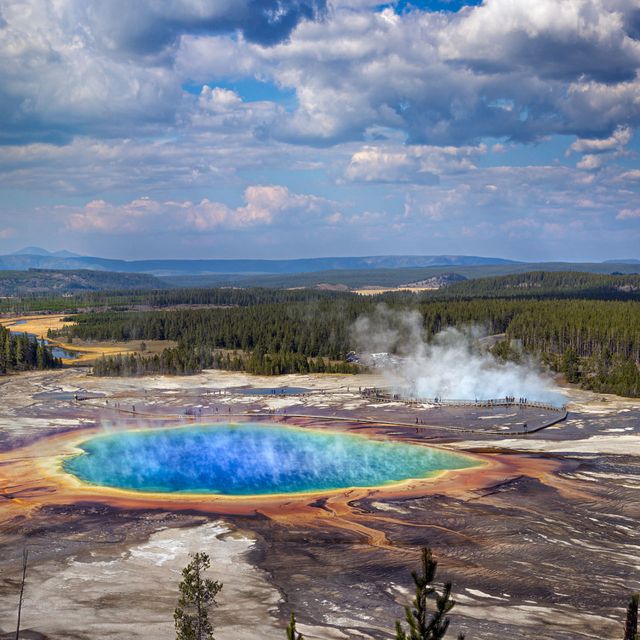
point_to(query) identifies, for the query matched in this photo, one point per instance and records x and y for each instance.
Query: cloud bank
(502, 126)
(264, 205)
(498, 69)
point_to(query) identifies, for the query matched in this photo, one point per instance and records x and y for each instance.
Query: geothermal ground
(541, 541)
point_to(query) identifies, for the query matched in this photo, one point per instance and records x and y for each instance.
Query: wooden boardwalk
(525, 403)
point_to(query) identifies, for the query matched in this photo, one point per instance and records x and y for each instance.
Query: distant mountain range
(39, 251)
(623, 261)
(37, 258)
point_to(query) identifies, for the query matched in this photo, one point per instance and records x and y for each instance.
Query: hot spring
(251, 459)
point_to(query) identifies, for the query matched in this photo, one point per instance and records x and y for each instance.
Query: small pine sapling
(423, 625)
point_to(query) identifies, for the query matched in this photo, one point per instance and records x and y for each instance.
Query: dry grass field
(40, 325)
(374, 292)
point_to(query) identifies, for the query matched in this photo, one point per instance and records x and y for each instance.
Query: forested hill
(39, 282)
(545, 284)
(126, 299)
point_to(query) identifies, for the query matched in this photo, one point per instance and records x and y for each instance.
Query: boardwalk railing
(385, 396)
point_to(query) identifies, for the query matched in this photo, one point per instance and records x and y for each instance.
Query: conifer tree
(570, 365)
(423, 625)
(197, 596)
(631, 626)
(292, 632)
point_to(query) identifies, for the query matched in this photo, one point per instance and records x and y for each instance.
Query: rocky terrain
(542, 545)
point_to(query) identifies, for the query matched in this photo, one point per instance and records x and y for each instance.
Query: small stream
(56, 352)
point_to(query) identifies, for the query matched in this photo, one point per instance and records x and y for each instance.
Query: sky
(300, 128)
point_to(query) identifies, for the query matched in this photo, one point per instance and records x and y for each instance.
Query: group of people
(512, 400)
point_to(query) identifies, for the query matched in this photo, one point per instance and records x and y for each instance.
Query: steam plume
(450, 366)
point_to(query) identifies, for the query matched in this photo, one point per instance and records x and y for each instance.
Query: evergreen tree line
(183, 361)
(174, 361)
(273, 364)
(20, 352)
(309, 328)
(595, 342)
(125, 299)
(545, 284)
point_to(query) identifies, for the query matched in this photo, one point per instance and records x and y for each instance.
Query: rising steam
(452, 365)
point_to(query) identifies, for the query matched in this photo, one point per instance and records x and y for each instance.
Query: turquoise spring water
(251, 459)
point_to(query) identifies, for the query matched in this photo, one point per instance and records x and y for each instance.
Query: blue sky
(291, 128)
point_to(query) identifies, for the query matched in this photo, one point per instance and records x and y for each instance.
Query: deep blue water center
(248, 459)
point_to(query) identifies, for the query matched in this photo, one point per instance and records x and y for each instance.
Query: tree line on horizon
(129, 299)
(528, 285)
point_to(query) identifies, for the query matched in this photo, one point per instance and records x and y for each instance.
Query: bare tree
(25, 558)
